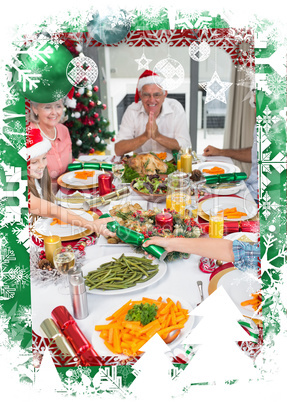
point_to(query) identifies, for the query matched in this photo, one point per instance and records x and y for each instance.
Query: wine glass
(118, 171)
(64, 261)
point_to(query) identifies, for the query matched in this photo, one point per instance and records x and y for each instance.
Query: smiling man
(152, 122)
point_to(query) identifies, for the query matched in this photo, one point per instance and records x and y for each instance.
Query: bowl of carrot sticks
(126, 330)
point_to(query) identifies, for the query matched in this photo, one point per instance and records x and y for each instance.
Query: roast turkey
(147, 164)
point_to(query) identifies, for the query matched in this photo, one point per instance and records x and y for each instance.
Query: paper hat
(36, 144)
(147, 77)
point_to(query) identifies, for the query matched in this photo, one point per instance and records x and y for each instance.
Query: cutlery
(225, 185)
(170, 338)
(199, 284)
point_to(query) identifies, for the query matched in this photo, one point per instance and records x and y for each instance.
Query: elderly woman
(40, 196)
(48, 118)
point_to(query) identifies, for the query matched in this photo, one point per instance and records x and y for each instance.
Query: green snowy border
(15, 307)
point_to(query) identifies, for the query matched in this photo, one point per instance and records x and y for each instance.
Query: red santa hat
(36, 144)
(148, 77)
(70, 101)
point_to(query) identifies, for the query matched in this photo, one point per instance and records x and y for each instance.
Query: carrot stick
(164, 331)
(147, 327)
(116, 341)
(110, 347)
(167, 307)
(119, 311)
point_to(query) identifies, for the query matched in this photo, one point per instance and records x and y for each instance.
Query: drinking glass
(118, 171)
(179, 202)
(216, 223)
(193, 204)
(176, 182)
(64, 261)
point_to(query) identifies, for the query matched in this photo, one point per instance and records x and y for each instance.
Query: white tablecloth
(179, 282)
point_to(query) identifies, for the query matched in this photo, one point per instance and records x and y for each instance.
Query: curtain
(240, 117)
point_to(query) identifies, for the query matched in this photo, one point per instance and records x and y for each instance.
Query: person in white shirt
(153, 122)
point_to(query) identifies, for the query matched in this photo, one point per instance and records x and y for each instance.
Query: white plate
(43, 226)
(242, 205)
(94, 158)
(239, 285)
(228, 167)
(69, 178)
(226, 191)
(70, 205)
(91, 266)
(102, 350)
(235, 236)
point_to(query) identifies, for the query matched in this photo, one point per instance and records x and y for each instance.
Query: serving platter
(102, 350)
(94, 265)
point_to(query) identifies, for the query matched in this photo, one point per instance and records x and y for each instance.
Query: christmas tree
(88, 128)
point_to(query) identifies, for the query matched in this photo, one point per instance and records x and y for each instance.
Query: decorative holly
(42, 255)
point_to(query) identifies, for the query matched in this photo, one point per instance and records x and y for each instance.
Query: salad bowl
(151, 188)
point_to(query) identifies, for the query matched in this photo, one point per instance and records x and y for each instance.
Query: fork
(199, 284)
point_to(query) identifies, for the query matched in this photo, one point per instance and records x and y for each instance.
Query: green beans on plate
(121, 273)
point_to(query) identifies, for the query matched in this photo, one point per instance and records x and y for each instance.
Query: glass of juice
(179, 202)
(216, 223)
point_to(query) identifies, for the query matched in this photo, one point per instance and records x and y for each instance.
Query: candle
(164, 220)
(51, 243)
(186, 163)
(105, 183)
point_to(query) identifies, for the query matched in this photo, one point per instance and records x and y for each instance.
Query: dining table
(179, 283)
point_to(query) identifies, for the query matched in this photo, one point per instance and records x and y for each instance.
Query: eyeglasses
(156, 95)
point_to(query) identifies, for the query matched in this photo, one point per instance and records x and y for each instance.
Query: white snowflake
(18, 276)
(276, 85)
(267, 205)
(120, 18)
(27, 77)
(56, 40)
(7, 254)
(249, 77)
(12, 97)
(184, 19)
(37, 51)
(267, 120)
(58, 94)
(24, 316)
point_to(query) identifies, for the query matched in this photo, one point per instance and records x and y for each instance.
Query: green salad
(150, 184)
